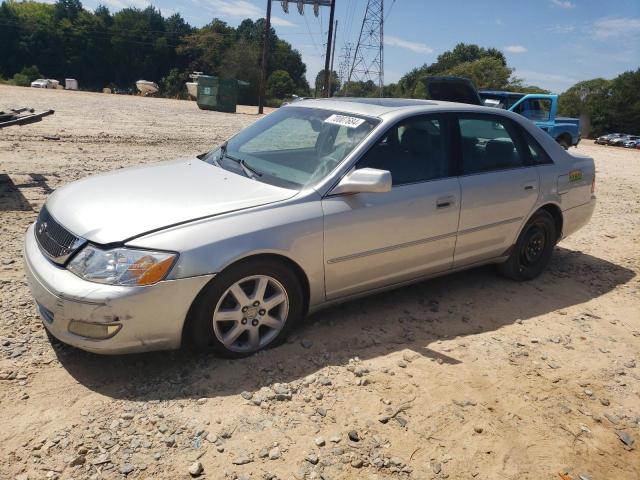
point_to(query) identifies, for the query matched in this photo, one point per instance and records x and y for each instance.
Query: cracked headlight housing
(122, 266)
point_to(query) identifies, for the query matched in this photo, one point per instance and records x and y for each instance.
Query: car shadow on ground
(410, 318)
(11, 196)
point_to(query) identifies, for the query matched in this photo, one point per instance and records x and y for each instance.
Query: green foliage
(280, 85)
(274, 102)
(446, 63)
(242, 61)
(173, 85)
(464, 53)
(319, 83)
(69, 9)
(360, 89)
(21, 80)
(486, 73)
(99, 48)
(625, 102)
(610, 105)
(26, 76)
(31, 73)
(420, 91)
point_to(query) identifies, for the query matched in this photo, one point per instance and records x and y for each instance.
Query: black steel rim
(533, 247)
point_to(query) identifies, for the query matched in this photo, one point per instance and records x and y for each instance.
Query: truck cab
(541, 109)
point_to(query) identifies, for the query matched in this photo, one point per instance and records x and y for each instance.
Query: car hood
(116, 206)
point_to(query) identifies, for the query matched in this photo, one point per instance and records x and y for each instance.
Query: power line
(311, 35)
(386, 17)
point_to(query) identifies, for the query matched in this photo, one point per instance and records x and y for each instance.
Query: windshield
(293, 146)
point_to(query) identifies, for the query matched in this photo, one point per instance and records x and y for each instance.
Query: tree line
(604, 106)
(103, 49)
(486, 67)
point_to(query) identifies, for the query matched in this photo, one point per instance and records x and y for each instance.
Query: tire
(564, 143)
(533, 249)
(217, 314)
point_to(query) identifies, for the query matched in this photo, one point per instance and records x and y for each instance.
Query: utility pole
(327, 58)
(265, 51)
(316, 11)
(333, 54)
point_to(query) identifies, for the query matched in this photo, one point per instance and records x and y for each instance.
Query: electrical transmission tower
(368, 59)
(345, 63)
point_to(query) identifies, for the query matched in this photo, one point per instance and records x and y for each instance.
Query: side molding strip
(390, 248)
(491, 225)
(420, 242)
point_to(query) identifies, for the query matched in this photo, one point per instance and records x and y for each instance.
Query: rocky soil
(468, 376)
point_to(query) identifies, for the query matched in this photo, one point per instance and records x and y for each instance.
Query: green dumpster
(218, 94)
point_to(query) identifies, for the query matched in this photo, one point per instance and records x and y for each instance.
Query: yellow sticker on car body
(575, 176)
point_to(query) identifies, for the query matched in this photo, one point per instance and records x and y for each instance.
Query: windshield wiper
(248, 170)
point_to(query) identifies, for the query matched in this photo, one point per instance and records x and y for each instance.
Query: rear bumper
(577, 217)
(151, 317)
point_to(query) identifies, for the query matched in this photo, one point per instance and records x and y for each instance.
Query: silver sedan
(319, 202)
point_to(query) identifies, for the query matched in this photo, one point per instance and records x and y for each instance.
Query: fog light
(98, 331)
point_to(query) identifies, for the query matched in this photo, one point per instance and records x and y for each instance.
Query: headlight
(121, 266)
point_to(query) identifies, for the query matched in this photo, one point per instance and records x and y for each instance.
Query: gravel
(458, 337)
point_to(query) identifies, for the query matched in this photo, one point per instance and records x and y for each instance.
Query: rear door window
(489, 143)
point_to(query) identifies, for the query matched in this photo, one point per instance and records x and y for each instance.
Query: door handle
(530, 186)
(444, 202)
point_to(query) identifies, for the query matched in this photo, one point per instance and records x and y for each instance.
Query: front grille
(55, 241)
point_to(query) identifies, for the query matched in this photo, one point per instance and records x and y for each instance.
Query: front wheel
(533, 250)
(248, 307)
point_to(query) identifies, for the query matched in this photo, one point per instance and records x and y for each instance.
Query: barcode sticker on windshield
(345, 121)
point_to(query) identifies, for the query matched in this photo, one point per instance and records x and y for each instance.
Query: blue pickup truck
(541, 109)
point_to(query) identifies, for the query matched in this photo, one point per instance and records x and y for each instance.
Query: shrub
(21, 80)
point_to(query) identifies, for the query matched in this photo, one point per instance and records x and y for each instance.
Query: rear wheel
(248, 307)
(533, 250)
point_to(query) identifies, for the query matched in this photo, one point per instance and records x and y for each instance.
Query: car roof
(378, 107)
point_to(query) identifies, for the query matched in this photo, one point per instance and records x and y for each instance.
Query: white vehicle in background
(192, 86)
(147, 87)
(42, 83)
(70, 84)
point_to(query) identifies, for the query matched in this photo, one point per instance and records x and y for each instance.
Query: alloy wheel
(251, 313)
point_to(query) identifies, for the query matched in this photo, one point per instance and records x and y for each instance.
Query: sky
(550, 43)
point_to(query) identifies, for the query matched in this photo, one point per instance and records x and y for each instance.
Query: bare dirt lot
(466, 376)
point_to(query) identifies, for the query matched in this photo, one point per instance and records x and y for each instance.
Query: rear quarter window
(538, 154)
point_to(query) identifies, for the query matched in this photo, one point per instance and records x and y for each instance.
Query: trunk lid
(452, 89)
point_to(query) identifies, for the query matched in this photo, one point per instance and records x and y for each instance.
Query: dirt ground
(468, 376)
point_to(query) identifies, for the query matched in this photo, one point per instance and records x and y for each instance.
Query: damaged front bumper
(106, 318)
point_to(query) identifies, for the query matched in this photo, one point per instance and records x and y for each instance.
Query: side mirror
(364, 180)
